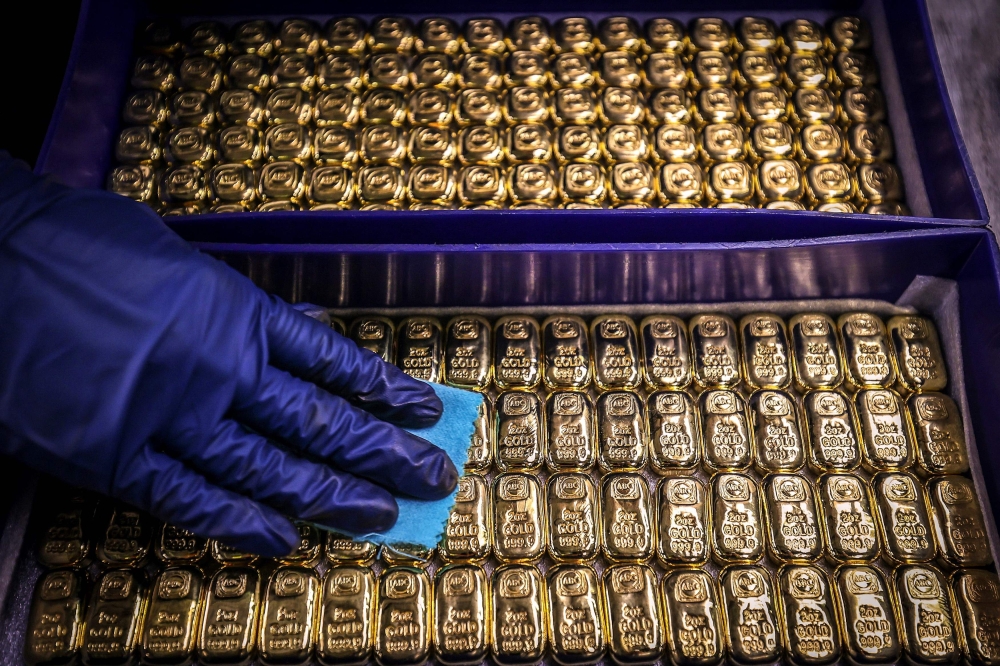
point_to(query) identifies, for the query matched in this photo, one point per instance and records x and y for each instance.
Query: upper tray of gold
(430, 114)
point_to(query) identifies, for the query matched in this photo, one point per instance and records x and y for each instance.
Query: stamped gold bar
(467, 350)
(175, 545)
(341, 549)
(405, 554)
(940, 434)
(886, 431)
(575, 627)
(737, 521)
(517, 352)
(461, 614)
(833, 431)
(850, 534)
(572, 438)
(228, 630)
(693, 620)
(170, 629)
(126, 537)
(224, 554)
(751, 619)
(867, 616)
(634, 624)
(67, 534)
(469, 530)
(716, 351)
(288, 616)
(574, 517)
(518, 630)
(779, 445)
(766, 362)
(616, 352)
(665, 353)
(926, 618)
(674, 431)
(794, 528)
(55, 622)
(574, 35)
(627, 514)
(420, 348)
(114, 618)
(683, 522)
(481, 442)
(621, 431)
(867, 351)
(919, 359)
(665, 34)
(756, 33)
(902, 518)
(725, 430)
(816, 351)
(808, 623)
(566, 352)
(344, 624)
(977, 602)
(520, 431)
(957, 518)
(518, 517)
(309, 549)
(376, 334)
(402, 617)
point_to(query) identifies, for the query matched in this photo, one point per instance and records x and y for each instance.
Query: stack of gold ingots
(671, 492)
(432, 115)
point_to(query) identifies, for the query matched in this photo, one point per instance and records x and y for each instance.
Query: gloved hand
(135, 366)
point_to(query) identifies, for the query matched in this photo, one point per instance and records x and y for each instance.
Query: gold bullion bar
(401, 553)
(55, 625)
(887, 434)
(376, 334)
(926, 623)
(467, 533)
(682, 522)
(481, 443)
(749, 603)
(224, 554)
(288, 616)
(402, 615)
(940, 435)
(66, 540)
(716, 351)
(574, 515)
(228, 632)
(778, 443)
(621, 432)
(866, 350)
(902, 518)
(616, 352)
(575, 628)
(461, 612)
(342, 549)
(794, 531)
(310, 546)
(467, 348)
(816, 357)
(569, 418)
(517, 632)
(518, 517)
(808, 621)
(674, 431)
(957, 519)
(565, 352)
(627, 515)
(919, 360)
(693, 621)
(867, 616)
(737, 522)
(832, 426)
(419, 348)
(634, 622)
(977, 602)
(520, 431)
(126, 537)
(766, 362)
(344, 633)
(665, 352)
(725, 430)
(114, 618)
(517, 352)
(170, 630)
(850, 534)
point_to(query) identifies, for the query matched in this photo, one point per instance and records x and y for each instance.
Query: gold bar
(66, 539)
(925, 616)
(310, 546)
(867, 350)
(126, 537)
(481, 444)
(170, 630)
(833, 431)
(634, 624)
(569, 417)
(977, 601)
(228, 632)
(520, 434)
(344, 627)
(467, 349)
(816, 358)
(809, 628)
(576, 631)
(224, 554)
(902, 518)
(55, 624)
(517, 632)
(288, 616)
(467, 534)
(957, 518)
(725, 430)
(341, 549)
(665, 352)
(682, 521)
(716, 351)
(887, 435)
(114, 618)
(867, 616)
(693, 621)
(627, 515)
(621, 432)
(376, 334)
(461, 611)
(674, 435)
(851, 534)
(737, 522)
(405, 554)
(402, 630)
(420, 353)
(766, 362)
(517, 352)
(574, 516)
(565, 352)
(940, 434)
(778, 442)
(616, 352)
(749, 602)
(919, 359)
(792, 520)
(518, 517)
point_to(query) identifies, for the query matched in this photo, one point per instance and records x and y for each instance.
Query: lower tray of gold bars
(644, 491)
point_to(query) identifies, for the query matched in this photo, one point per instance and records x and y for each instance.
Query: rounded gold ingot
(574, 35)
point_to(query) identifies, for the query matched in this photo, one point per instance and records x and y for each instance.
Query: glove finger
(308, 349)
(245, 462)
(328, 428)
(174, 493)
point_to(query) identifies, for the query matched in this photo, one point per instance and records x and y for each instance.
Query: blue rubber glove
(135, 366)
